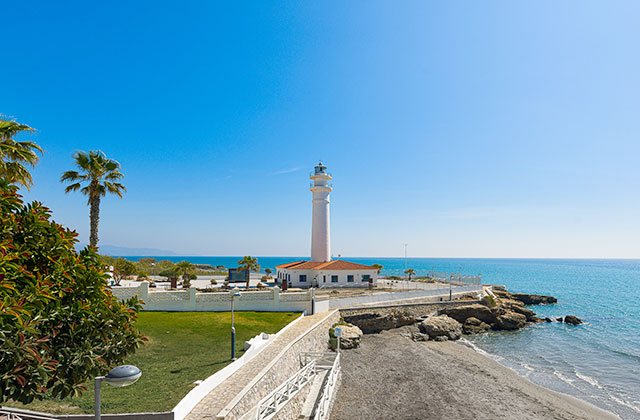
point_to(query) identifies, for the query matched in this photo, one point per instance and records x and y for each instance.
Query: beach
(391, 376)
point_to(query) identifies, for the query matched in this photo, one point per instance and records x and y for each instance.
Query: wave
(588, 379)
(630, 405)
(564, 379)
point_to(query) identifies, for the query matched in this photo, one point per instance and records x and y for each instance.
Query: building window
(324, 279)
(303, 278)
(334, 279)
(350, 278)
(366, 277)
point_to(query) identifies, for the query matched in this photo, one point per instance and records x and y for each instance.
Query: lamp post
(234, 294)
(118, 377)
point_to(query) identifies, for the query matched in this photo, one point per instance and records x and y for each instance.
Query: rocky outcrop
(510, 321)
(572, 319)
(441, 326)
(528, 299)
(375, 322)
(462, 313)
(474, 326)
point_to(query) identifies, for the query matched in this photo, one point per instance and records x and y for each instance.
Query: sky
(463, 129)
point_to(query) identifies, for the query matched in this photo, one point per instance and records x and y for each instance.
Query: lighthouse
(320, 223)
(321, 271)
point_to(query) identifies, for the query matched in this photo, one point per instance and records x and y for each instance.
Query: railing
(7, 414)
(325, 185)
(269, 406)
(314, 173)
(323, 409)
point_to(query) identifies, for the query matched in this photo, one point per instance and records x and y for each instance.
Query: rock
(560, 319)
(474, 326)
(376, 322)
(497, 287)
(572, 319)
(441, 325)
(528, 313)
(528, 299)
(548, 320)
(441, 338)
(350, 338)
(510, 321)
(462, 313)
(419, 337)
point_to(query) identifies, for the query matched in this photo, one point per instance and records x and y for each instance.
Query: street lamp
(234, 294)
(118, 377)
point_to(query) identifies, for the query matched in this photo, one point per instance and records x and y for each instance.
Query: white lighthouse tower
(320, 235)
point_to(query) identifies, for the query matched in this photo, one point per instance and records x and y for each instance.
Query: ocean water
(598, 362)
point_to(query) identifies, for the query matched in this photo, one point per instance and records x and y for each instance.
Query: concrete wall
(389, 298)
(283, 366)
(272, 300)
(34, 415)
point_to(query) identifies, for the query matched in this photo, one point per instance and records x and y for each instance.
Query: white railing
(323, 408)
(269, 406)
(8, 414)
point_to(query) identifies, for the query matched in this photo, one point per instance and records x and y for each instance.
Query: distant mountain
(122, 251)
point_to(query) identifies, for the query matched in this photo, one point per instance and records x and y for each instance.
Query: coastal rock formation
(441, 326)
(510, 321)
(476, 310)
(474, 326)
(372, 323)
(572, 319)
(528, 299)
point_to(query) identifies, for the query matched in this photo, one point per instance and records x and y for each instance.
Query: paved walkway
(217, 399)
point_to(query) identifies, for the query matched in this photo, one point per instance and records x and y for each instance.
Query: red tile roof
(328, 265)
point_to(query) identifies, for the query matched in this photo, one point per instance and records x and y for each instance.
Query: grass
(182, 348)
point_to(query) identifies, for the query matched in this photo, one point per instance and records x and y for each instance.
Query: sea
(598, 362)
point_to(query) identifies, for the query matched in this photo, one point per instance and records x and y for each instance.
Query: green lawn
(182, 348)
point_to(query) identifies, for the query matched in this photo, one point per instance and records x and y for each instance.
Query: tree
(60, 326)
(185, 270)
(122, 268)
(378, 267)
(100, 176)
(410, 272)
(268, 273)
(15, 156)
(248, 264)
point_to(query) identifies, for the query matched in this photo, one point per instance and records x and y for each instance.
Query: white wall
(271, 300)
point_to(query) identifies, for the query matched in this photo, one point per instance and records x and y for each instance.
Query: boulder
(375, 322)
(560, 319)
(528, 313)
(417, 336)
(474, 326)
(510, 321)
(351, 336)
(441, 326)
(462, 313)
(548, 320)
(441, 338)
(528, 299)
(572, 319)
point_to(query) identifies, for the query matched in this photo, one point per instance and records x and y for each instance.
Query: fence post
(192, 298)
(143, 290)
(276, 298)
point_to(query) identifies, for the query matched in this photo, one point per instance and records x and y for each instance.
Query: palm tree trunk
(248, 277)
(94, 219)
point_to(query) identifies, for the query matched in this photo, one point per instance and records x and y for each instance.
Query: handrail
(9, 414)
(271, 404)
(324, 405)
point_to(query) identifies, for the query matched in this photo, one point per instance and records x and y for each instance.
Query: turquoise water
(598, 362)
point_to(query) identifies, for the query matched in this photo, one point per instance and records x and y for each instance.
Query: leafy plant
(185, 270)
(122, 268)
(410, 272)
(248, 264)
(59, 323)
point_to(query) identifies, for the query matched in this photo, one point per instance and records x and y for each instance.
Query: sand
(393, 377)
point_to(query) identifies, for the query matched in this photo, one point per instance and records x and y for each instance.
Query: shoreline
(391, 376)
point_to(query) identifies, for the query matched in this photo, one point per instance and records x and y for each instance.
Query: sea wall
(272, 300)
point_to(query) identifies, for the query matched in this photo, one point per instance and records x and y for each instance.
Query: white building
(321, 271)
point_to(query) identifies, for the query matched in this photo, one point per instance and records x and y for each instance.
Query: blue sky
(465, 129)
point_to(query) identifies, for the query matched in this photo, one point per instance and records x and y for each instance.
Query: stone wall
(282, 367)
(376, 319)
(272, 300)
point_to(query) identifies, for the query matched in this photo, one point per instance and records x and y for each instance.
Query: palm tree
(100, 176)
(185, 270)
(410, 272)
(14, 155)
(268, 272)
(378, 267)
(248, 264)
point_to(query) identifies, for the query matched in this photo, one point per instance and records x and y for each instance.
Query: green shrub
(59, 324)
